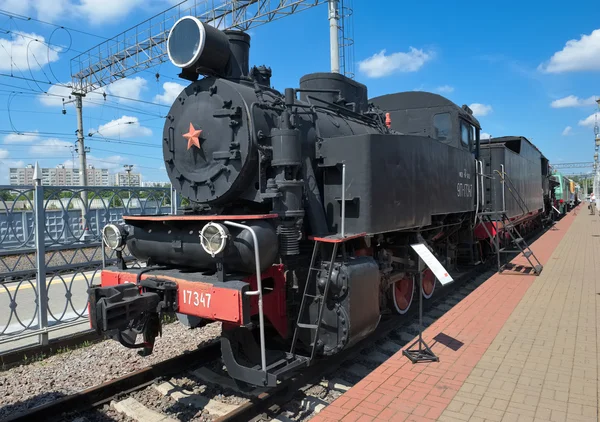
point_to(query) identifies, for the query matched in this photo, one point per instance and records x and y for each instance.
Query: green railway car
(561, 192)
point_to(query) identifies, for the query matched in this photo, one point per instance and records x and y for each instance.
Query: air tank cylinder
(286, 187)
(287, 160)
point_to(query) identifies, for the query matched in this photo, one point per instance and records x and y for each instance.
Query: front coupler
(125, 310)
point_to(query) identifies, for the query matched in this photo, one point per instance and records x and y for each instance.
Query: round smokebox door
(207, 142)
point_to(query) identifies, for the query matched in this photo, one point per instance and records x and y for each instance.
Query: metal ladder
(311, 280)
(522, 247)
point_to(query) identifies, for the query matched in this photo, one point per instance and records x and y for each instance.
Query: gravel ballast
(31, 385)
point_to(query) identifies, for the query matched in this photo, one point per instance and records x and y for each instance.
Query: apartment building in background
(59, 176)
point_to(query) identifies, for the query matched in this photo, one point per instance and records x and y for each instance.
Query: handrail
(477, 192)
(258, 292)
(343, 199)
(520, 202)
(503, 190)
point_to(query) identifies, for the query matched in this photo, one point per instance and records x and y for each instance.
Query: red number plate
(206, 301)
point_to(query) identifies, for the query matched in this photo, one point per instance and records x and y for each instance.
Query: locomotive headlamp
(186, 41)
(195, 45)
(214, 238)
(114, 236)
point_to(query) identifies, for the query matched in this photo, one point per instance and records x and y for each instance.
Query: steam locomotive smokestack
(239, 44)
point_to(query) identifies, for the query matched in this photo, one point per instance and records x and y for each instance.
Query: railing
(45, 274)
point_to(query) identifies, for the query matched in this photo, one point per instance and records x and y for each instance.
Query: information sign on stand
(419, 351)
(434, 265)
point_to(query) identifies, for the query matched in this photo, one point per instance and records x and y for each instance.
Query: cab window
(442, 125)
(466, 135)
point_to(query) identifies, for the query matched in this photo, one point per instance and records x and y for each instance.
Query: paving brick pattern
(543, 364)
(487, 370)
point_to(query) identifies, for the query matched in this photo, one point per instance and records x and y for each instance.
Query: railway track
(195, 387)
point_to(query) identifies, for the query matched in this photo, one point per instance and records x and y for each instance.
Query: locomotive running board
(198, 217)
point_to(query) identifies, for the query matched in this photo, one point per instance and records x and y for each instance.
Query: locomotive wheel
(402, 294)
(429, 281)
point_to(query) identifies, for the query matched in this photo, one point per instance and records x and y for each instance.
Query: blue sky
(525, 69)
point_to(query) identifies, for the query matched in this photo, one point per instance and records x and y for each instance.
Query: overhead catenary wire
(29, 18)
(89, 138)
(20, 90)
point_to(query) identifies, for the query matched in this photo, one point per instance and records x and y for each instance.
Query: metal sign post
(419, 351)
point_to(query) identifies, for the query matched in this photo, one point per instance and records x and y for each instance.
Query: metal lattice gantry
(572, 165)
(144, 45)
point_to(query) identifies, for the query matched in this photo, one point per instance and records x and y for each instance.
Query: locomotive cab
(428, 114)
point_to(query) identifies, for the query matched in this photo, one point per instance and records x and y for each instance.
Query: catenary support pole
(334, 44)
(82, 162)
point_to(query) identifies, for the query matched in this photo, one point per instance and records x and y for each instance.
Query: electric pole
(334, 45)
(80, 141)
(81, 150)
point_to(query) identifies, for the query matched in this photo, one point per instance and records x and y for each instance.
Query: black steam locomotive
(303, 207)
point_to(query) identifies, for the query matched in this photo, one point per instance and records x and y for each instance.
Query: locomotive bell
(196, 46)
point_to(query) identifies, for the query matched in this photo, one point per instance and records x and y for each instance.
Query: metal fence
(51, 251)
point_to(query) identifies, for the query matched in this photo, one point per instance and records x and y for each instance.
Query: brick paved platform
(522, 348)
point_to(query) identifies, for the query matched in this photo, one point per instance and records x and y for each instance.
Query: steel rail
(101, 394)
(270, 401)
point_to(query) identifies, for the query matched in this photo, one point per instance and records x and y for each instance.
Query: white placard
(433, 264)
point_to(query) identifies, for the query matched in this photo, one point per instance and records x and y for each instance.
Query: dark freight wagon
(527, 171)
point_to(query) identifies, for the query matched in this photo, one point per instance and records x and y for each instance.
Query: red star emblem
(193, 137)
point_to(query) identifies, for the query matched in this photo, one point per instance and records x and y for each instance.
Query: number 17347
(194, 298)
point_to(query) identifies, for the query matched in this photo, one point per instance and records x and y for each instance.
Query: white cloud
(573, 101)
(445, 89)
(481, 109)
(98, 12)
(15, 138)
(567, 131)
(590, 121)
(111, 163)
(484, 135)
(95, 12)
(3, 153)
(21, 47)
(51, 146)
(171, 91)
(577, 55)
(127, 88)
(15, 6)
(6, 164)
(56, 94)
(123, 127)
(380, 64)
(46, 9)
